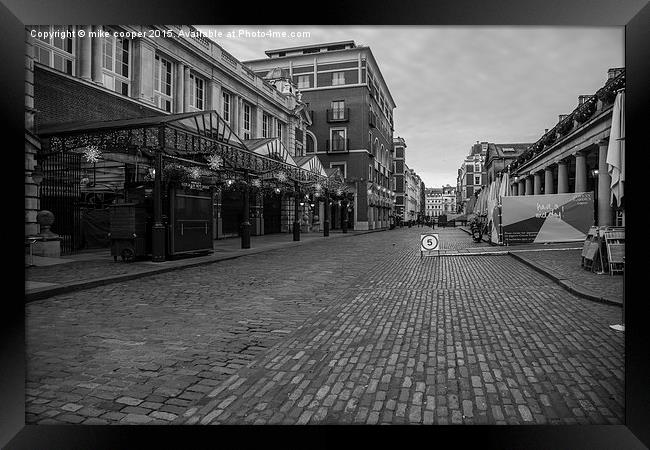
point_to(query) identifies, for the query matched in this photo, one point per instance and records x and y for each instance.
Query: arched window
(310, 142)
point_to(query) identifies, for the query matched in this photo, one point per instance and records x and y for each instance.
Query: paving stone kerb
(80, 275)
(347, 331)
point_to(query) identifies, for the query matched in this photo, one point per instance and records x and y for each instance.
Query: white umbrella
(616, 149)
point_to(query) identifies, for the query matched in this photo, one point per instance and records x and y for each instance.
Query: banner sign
(547, 218)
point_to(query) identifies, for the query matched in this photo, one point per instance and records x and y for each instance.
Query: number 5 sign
(429, 242)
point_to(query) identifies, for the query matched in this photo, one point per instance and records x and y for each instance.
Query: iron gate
(61, 194)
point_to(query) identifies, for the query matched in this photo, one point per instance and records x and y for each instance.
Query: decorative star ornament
(282, 176)
(215, 162)
(256, 182)
(195, 172)
(92, 154)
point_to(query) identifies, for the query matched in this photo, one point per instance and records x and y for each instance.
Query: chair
(615, 242)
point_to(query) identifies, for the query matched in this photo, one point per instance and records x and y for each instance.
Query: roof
(506, 150)
(305, 47)
(204, 123)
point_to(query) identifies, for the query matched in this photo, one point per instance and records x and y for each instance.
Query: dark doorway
(272, 213)
(231, 212)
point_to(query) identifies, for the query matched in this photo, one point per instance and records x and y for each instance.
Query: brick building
(472, 174)
(104, 77)
(352, 118)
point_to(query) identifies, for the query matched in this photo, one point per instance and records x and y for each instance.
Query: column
(97, 55)
(522, 187)
(538, 183)
(514, 189)
(180, 89)
(85, 54)
(604, 181)
(186, 89)
(549, 188)
(529, 185)
(562, 177)
(581, 172)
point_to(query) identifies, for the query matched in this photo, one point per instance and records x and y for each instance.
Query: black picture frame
(633, 14)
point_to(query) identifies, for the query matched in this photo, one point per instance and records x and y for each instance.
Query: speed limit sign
(429, 242)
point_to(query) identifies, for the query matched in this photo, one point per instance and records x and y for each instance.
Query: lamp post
(246, 223)
(296, 212)
(158, 229)
(326, 221)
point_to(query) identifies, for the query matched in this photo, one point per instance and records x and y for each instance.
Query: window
(278, 129)
(477, 179)
(338, 78)
(116, 63)
(247, 121)
(477, 167)
(311, 145)
(303, 82)
(56, 52)
(226, 106)
(162, 83)
(338, 139)
(338, 109)
(341, 166)
(197, 92)
(265, 125)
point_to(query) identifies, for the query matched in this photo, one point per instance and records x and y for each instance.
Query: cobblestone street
(353, 330)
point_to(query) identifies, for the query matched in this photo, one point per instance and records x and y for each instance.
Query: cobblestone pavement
(358, 330)
(566, 264)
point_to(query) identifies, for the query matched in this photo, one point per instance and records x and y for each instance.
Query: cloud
(457, 85)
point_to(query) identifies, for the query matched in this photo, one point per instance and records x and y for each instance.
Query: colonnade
(541, 181)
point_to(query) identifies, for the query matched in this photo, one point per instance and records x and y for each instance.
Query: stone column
(562, 177)
(186, 89)
(538, 183)
(97, 56)
(529, 185)
(548, 181)
(522, 187)
(179, 92)
(604, 181)
(581, 172)
(85, 54)
(514, 189)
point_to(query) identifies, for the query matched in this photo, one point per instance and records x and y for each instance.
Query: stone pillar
(179, 102)
(562, 177)
(85, 54)
(97, 56)
(538, 183)
(548, 181)
(529, 185)
(522, 187)
(581, 172)
(514, 189)
(604, 181)
(186, 89)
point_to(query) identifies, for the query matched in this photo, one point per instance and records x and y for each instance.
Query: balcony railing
(339, 145)
(338, 115)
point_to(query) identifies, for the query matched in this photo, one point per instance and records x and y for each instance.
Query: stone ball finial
(45, 219)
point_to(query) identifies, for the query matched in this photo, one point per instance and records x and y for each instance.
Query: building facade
(572, 156)
(440, 201)
(110, 75)
(412, 195)
(399, 177)
(352, 119)
(472, 174)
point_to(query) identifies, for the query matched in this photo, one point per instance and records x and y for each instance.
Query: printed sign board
(429, 242)
(547, 218)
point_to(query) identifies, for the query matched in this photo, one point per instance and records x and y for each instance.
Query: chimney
(561, 117)
(545, 130)
(582, 99)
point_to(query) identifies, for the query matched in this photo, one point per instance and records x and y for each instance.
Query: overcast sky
(457, 85)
